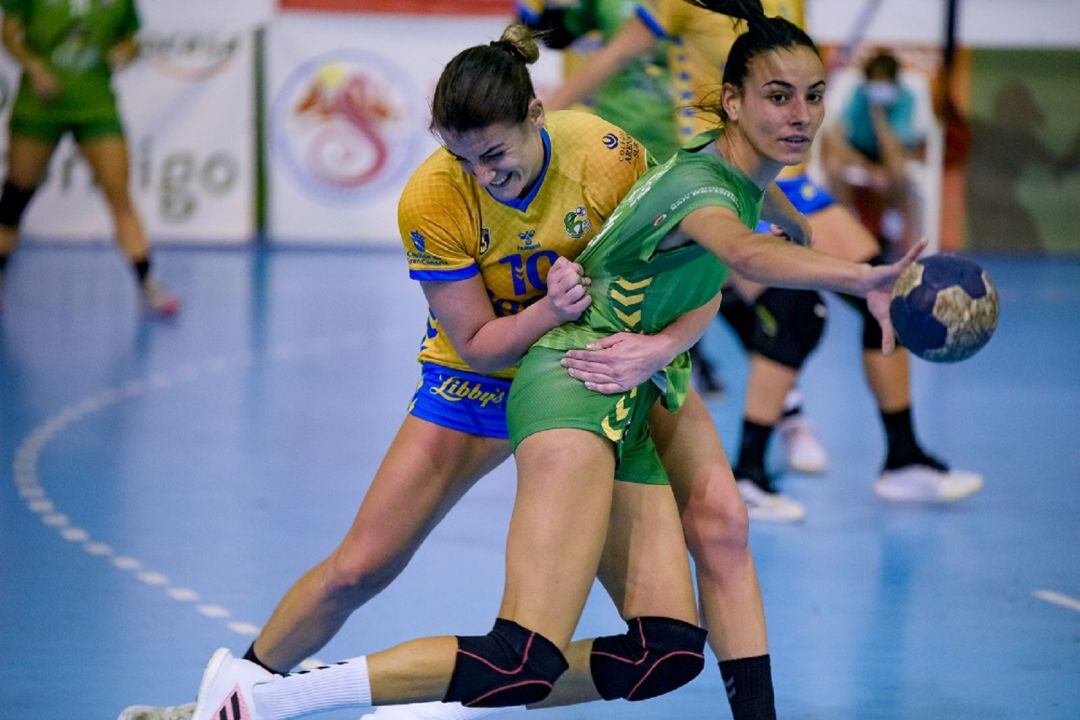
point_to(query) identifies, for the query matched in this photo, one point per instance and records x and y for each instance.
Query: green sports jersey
(73, 38)
(637, 287)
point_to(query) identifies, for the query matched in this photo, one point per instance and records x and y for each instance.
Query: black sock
(3, 261)
(748, 682)
(751, 464)
(903, 448)
(142, 269)
(250, 656)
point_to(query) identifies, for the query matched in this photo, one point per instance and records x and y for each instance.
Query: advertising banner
(348, 114)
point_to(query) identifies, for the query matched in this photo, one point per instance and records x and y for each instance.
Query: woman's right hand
(568, 290)
(42, 81)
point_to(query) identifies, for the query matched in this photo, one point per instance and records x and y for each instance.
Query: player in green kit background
(68, 51)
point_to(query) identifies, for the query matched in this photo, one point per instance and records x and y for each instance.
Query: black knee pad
(509, 666)
(789, 325)
(13, 202)
(739, 315)
(655, 656)
(871, 329)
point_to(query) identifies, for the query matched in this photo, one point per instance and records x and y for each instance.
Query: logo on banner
(190, 55)
(345, 123)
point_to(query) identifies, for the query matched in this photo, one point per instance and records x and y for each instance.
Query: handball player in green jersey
(68, 51)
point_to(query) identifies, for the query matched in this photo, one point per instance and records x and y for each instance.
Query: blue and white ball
(944, 308)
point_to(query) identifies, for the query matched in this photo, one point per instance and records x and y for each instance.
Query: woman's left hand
(877, 286)
(619, 362)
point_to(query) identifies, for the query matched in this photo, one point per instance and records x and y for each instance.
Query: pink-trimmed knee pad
(507, 667)
(655, 656)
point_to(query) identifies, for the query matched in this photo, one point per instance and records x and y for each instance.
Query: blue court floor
(163, 483)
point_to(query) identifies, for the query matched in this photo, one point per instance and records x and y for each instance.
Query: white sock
(342, 685)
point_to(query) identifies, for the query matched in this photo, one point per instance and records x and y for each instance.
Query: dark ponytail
(763, 34)
(486, 84)
(749, 10)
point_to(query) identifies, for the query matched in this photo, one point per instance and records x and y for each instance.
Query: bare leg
(27, 160)
(768, 384)
(108, 158)
(556, 538)
(889, 378)
(424, 473)
(839, 233)
(716, 527)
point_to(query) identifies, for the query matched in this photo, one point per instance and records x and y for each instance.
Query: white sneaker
(225, 690)
(154, 712)
(157, 300)
(802, 448)
(765, 506)
(921, 483)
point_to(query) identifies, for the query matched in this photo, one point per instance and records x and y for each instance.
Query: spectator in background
(866, 153)
(68, 52)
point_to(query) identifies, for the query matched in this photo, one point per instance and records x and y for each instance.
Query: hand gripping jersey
(638, 287)
(453, 229)
(73, 38)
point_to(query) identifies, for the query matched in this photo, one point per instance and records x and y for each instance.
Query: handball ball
(944, 308)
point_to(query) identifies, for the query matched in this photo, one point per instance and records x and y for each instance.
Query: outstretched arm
(633, 40)
(769, 260)
(779, 211)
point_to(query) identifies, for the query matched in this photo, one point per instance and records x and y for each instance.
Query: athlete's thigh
(837, 232)
(645, 568)
(27, 159)
(107, 156)
(557, 530)
(424, 473)
(694, 458)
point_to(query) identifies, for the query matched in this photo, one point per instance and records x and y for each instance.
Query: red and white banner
(348, 113)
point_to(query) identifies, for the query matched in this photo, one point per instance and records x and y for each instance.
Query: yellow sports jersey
(453, 229)
(701, 41)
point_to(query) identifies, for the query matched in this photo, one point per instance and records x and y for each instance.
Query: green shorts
(544, 397)
(52, 130)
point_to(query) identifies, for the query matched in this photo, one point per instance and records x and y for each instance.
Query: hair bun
(519, 41)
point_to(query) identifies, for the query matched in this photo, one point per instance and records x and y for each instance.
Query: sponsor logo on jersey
(455, 389)
(418, 241)
(611, 141)
(527, 240)
(345, 125)
(577, 223)
(808, 191)
(485, 240)
(659, 219)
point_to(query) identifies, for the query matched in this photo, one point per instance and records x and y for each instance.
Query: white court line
(28, 482)
(1059, 599)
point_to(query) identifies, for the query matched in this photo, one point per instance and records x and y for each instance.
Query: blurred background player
(867, 150)
(780, 327)
(68, 52)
